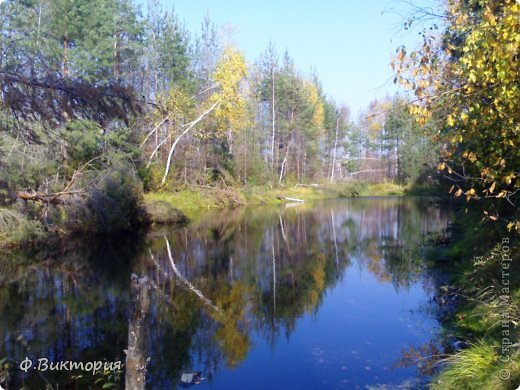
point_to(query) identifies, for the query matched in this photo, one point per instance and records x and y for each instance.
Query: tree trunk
(190, 126)
(136, 360)
(116, 56)
(273, 123)
(334, 153)
(284, 161)
(65, 57)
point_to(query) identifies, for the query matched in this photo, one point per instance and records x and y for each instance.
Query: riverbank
(190, 201)
(485, 284)
(173, 207)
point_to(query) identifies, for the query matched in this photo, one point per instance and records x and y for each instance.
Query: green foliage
(151, 176)
(112, 204)
(83, 142)
(86, 39)
(415, 154)
(16, 229)
(77, 136)
(468, 367)
(383, 189)
(24, 166)
(173, 53)
(489, 309)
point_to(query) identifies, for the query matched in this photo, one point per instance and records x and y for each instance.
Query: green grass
(163, 212)
(195, 199)
(481, 313)
(478, 367)
(384, 189)
(187, 201)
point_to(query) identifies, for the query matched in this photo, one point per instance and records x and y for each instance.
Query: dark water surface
(322, 295)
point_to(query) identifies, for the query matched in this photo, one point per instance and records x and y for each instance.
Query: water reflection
(269, 296)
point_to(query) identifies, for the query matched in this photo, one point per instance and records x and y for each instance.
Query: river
(330, 294)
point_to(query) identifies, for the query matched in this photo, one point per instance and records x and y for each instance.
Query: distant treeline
(90, 75)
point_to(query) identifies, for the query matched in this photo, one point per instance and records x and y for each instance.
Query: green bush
(113, 203)
(152, 176)
(17, 229)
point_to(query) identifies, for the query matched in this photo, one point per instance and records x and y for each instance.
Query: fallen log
(312, 185)
(54, 198)
(289, 199)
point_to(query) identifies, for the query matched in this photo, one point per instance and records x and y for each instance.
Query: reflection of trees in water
(68, 305)
(234, 273)
(282, 262)
(390, 237)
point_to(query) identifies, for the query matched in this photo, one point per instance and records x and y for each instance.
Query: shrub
(16, 229)
(113, 203)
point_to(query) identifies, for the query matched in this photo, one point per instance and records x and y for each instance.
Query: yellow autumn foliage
(468, 76)
(231, 113)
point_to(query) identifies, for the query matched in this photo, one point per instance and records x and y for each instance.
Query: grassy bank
(191, 201)
(481, 259)
(18, 229)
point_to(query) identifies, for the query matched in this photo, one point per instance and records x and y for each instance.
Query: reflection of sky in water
(324, 295)
(354, 340)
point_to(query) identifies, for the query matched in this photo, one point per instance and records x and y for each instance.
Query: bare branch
(190, 126)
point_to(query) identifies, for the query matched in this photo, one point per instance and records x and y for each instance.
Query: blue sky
(348, 42)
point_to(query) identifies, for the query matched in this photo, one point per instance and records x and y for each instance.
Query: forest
(114, 116)
(96, 95)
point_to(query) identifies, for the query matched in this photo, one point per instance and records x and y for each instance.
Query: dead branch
(191, 125)
(164, 120)
(368, 170)
(54, 198)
